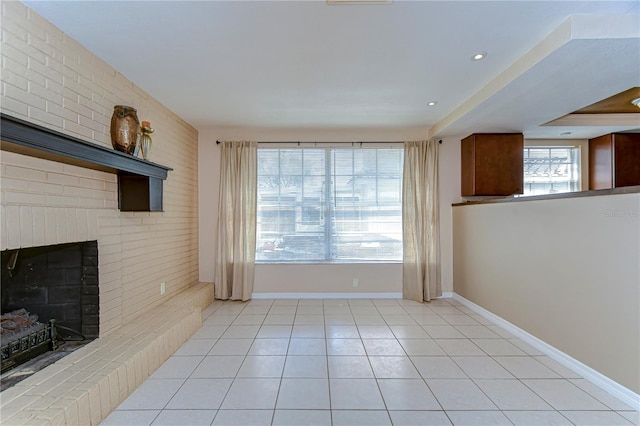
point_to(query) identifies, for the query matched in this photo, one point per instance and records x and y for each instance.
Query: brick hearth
(84, 387)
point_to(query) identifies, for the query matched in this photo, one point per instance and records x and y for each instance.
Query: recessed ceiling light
(479, 56)
(432, 103)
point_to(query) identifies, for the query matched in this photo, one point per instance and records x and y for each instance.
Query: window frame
(326, 213)
(583, 144)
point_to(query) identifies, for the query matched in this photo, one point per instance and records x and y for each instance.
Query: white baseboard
(445, 295)
(327, 295)
(624, 394)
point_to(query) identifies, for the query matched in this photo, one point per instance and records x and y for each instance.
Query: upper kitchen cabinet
(614, 160)
(492, 164)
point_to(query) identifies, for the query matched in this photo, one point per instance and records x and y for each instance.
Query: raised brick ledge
(85, 386)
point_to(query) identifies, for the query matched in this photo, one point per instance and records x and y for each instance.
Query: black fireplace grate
(18, 350)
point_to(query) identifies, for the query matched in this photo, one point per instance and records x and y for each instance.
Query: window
(552, 169)
(329, 205)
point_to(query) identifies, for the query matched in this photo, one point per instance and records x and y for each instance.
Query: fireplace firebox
(49, 293)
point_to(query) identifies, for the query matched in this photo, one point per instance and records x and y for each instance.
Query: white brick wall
(50, 80)
(46, 203)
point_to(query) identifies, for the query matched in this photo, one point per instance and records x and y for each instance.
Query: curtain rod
(359, 142)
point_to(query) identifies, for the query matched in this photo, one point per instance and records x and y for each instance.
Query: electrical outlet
(163, 288)
(355, 282)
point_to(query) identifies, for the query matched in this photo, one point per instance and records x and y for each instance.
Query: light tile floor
(362, 362)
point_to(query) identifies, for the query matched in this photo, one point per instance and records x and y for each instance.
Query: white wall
(449, 183)
(566, 271)
(373, 278)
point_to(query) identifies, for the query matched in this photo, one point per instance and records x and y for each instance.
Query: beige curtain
(236, 220)
(420, 222)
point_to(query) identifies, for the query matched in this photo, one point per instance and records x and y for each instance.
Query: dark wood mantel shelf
(139, 181)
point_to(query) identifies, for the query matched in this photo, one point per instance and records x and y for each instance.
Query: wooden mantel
(139, 181)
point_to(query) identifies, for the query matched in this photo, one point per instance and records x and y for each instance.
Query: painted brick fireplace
(50, 80)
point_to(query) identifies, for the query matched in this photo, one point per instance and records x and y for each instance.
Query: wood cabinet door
(600, 162)
(614, 160)
(626, 164)
(492, 164)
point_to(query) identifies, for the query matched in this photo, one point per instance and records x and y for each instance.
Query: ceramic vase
(125, 129)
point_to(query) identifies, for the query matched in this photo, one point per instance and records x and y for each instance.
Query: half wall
(565, 270)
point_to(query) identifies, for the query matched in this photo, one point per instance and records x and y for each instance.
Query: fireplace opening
(50, 304)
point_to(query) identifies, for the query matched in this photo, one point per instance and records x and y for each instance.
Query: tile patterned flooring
(362, 362)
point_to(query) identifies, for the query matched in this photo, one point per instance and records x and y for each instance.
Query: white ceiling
(306, 64)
